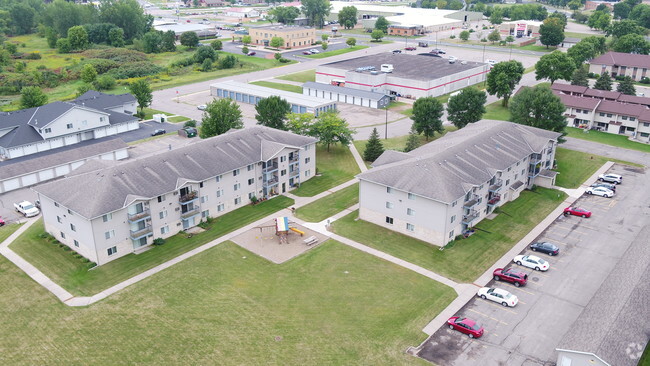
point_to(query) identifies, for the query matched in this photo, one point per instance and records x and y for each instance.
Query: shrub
(190, 123)
(216, 45)
(183, 62)
(135, 70)
(645, 80)
(158, 241)
(472, 31)
(452, 36)
(620, 77)
(284, 60)
(104, 82)
(33, 56)
(593, 75)
(101, 65)
(483, 39)
(41, 67)
(228, 62)
(207, 65)
(120, 55)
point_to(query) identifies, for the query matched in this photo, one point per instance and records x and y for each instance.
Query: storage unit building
(345, 95)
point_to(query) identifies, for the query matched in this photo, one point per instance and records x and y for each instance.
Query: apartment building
(105, 210)
(447, 186)
(293, 36)
(621, 64)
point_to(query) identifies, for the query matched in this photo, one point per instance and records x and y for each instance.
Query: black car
(611, 187)
(158, 132)
(545, 247)
(397, 51)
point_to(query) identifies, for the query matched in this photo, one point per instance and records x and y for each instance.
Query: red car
(2, 222)
(251, 53)
(410, 48)
(577, 211)
(511, 275)
(306, 53)
(466, 326)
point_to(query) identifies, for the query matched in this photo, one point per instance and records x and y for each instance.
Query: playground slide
(298, 231)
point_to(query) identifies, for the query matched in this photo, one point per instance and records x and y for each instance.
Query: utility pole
(386, 133)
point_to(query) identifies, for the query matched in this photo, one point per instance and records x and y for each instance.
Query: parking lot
(591, 251)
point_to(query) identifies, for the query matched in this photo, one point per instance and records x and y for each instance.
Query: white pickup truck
(27, 209)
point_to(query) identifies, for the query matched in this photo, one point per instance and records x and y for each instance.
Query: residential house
(618, 63)
(107, 211)
(447, 186)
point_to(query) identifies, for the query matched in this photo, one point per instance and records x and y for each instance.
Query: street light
(386, 133)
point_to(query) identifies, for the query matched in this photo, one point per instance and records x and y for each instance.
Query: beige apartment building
(621, 64)
(293, 36)
(105, 211)
(447, 186)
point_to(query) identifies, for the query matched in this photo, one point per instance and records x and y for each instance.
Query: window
(251, 195)
(164, 230)
(251, 181)
(237, 200)
(307, 147)
(109, 234)
(410, 212)
(283, 159)
(48, 130)
(451, 234)
(220, 208)
(601, 114)
(200, 184)
(72, 227)
(584, 111)
(507, 182)
(453, 218)
(645, 124)
(307, 173)
(58, 219)
(101, 119)
(235, 172)
(237, 186)
(70, 212)
(411, 196)
(107, 217)
(624, 118)
(76, 243)
(161, 198)
(111, 250)
(204, 199)
(508, 168)
(389, 190)
(410, 227)
(644, 134)
(307, 160)
(205, 214)
(632, 119)
(162, 214)
(453, 204)
(56, 204)
(609, 115)
(69, 126)
(220, 193)
(250, 167)
(218, 178)
(389, 205)
(62, 234)
(578, 110)
(389, 220)
(283, 172)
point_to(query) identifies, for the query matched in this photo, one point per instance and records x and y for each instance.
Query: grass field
(497, 111)
(607, 139)
(279, 86)
(578, 35)
(330, 205)
(7, 230)
(398, 143)
(73, 275)
(575, 166)
(499, 235)
(324, 54)
(178, 119)
(331, 306)
(149, 112)
(538, 48)
(335, 167)
(301, 77)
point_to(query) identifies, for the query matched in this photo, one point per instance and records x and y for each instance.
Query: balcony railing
(494, 200)
(139, 215)
(533, 172)
(494, 187)
(295, 159)
(471, 202)
(188, 197)
(137, 234)
(190, 212)
(270, 167)
(535, 158)
(294, 173)
(471, 216)
(271, 182)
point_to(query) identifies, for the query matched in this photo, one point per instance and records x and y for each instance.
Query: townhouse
(105, 210)
(621, 64)
(447, 186)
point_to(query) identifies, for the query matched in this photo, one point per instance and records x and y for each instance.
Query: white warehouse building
(346, 95)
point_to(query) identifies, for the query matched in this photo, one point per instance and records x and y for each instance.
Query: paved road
(606, 150)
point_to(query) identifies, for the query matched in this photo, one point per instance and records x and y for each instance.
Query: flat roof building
(411, 76)
(346, 95)
(252, 94)
(520, 28)
(293, 36)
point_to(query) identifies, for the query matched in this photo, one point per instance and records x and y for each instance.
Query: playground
(279, 240)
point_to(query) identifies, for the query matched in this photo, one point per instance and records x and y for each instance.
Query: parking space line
(501, 307)
(487, 316)
(521, 302)
(613, 203)
(520, 289)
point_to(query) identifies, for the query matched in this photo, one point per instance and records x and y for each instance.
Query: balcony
(188, 197)
(270, 167)
(273, 180)
(294, 159)
(534, 171)
(494, 200)
(496, 186)
(535, 158)
(294, 173)
(137, 234)
(138, 216)
(191, 212)
(471, 216)
(473, 200)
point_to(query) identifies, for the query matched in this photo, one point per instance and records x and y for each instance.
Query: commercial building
(621, 64)
(447, 186)
(405, 30)
(345, 95)
(412, 76)
(607, 111)
(242, 13)
(520, 28)
(201, 30)
(104, 212)
(293, 36)
(252, 94)
(91, 116)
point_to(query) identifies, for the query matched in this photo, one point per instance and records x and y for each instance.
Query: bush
(135, 70)
(472, 31)
(452, 36)
(158, 241)
(33, 56)
(101, 65)
(483, 39)
(620, 77)
(104, 82)
(644, 80)
(228, 62)
(119, 55)
(284, 60)
(41, 67)
(190, 123)
(188, 61)
(593, 75)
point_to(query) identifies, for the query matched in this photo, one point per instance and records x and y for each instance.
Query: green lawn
(538, 48)
(7, 230)
(330, 205)
(529, 69)
(575, 166)
(466, 259)
(399, 143)
(73, 274)
(324, 54)
(496, 111)
(577, 35)
(607, 139)
(333, 305)
(301, 77)
(645, 358)
(335, 167)
(178, 119)
(149, 112)
(279, 86)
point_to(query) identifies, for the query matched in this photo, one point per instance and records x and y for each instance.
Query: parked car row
(312, 51)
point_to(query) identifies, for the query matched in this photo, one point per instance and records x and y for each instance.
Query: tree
(206, 65)
(641, 13)
(464, 35)
(324, 37)
(244, 50)
(599, 44)
(624, 27)
(538, 107)
(151, 42)
(604, 82)
(51, 36)
(382, 24)
(246, 40)
(104, 82)
(374, 147)
(554, 66)
(413, 140)
(216, 45)
(377, 35)
(32, 96)
(168, 43)
(228, 62)
(581, 52)
(599, 20)
(631, 43)
(348, 17)
(503, 78)
(510, 39)
(190, 39)
(276, 42)
(61, 15)
(351, 42)
(559, 18)
(88, 73)
(272, 112)
(494, 36)
(626, 86)
(220, 116)
(78, 38)
(300, 123)
(22, 18)
(574, 4)
(324, 46)
(277, 56)
(316, 11)
(142, 93)
(284, 14)
(204, 52)
(82, 89)
(63, 45)
(580, 76)
(551, 32)
(427, 112)
(126, 14)
(116, 37)
(330, 129)
(622, 10)
(466, 107)
(497, 16)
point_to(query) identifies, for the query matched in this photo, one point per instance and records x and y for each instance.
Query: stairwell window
(69, 126)
(111, 251)
(389, 220)
(410, 212)
(109, 234)
(107, 217)
(389, 205)
(410, 227)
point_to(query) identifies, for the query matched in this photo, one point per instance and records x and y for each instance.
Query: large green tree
(126, 14)
(599, 20)
(641, 13)
(625, 27)
(276, 42)
(374, 147)
(580, 76)
(626, 86)
(316, 11)
(142, 93)
(151, 42)
(330, 129)
(538, 107)
(116, 37)
(272, 112)
(348, 17)
(189, 39)
(284, 14)
(168, 43)
(377, 35)
(22, 18)
(78, 38)
(219, 117)
(466, 107)
(503, 78)
(554, 66)
(300, 123)
(382, 24)
(551, 32)
(413, 140)
(427, 114)
(631, 43)
(604, 82)
(61, 15)
(581, 52)
(32, 96)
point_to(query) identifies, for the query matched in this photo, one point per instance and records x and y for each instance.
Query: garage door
(29, 179)
(11, 184)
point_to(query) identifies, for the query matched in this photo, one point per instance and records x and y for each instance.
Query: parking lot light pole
(386, 133)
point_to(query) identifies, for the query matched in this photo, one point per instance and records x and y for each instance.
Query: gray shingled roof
(445, 169)
(114, 187)
(341, 89)
(390, 156)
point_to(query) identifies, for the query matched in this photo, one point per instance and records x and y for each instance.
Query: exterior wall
(636, 73)
(520, 29)
(293, 37)
(81, 120)
(346, 98)
(403, 31)
(579, 117)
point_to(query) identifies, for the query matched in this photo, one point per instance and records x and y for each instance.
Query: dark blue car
(545, 247)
